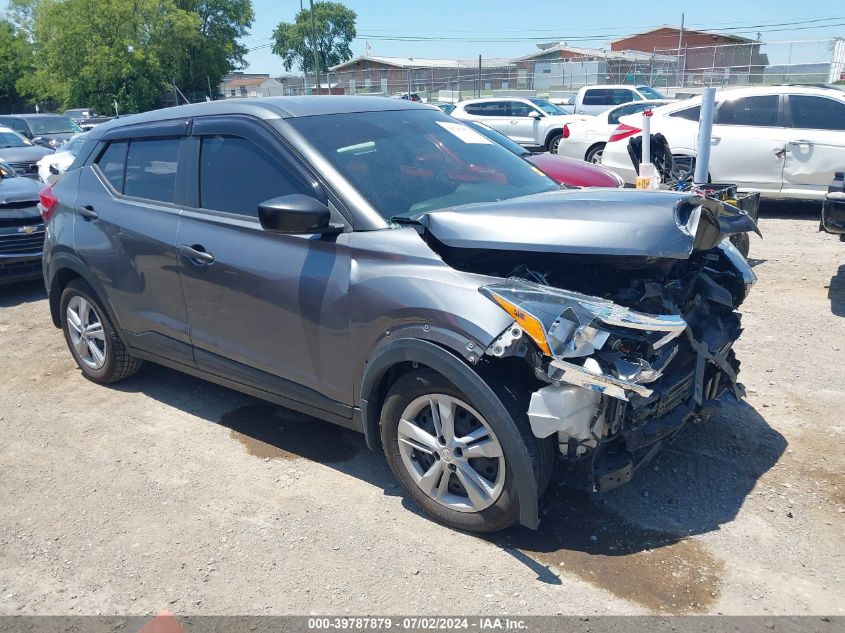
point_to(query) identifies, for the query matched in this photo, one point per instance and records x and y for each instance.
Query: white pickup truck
(592, 100)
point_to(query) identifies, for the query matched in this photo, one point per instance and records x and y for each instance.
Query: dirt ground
(166, 492)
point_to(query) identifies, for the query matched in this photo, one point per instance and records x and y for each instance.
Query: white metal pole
(646, 137)
(705, 134)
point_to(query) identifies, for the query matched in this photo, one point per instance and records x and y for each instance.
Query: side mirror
(535, 115)
(296, 214)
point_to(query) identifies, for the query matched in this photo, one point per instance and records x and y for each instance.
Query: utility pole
(479, 76)
(304, 74)
(680, 43)
(314, 42)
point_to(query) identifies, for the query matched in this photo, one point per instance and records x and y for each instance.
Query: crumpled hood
(623, 222)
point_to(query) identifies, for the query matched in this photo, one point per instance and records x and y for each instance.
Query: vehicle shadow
(22, 292)
(836, 292)
(791, 209)
(263, 429)
(632, 542)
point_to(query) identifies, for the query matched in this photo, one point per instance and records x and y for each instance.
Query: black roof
(266, 108)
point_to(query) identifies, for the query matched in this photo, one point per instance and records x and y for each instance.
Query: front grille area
(21, 243)
(20, 269)
(675, 395)
(28, 169)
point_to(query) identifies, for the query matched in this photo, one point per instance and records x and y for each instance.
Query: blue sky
(589, 24)
(549, 19)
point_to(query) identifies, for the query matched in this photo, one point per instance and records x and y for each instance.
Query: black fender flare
(550, 134)
(67, 261)
(476, 389)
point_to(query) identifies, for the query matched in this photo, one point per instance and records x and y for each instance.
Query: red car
(567, 171)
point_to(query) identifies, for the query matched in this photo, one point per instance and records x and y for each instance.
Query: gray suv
(380, 265)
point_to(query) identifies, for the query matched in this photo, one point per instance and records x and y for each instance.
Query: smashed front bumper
(614, 407)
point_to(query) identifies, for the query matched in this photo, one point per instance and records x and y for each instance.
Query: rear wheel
(594, 154)
(448, 457)
(91, 337)
(553, 143)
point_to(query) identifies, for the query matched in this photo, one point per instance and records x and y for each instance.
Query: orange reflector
(528, 322)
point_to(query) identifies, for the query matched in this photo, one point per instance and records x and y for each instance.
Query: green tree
(15, 63)
(130, 51)
(335, 26)
(217, 51)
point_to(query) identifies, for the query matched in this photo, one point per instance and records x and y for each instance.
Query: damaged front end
(636, 348)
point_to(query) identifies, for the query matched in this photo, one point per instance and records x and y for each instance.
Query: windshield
(496, 137)
(73, 145)
(650, 93)
(52, 125)
(13, 139)
(547, 106)
(408, 162)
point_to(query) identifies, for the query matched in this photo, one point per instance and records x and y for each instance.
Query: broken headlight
(567, 324)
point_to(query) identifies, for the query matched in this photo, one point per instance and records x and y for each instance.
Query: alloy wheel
(86, 332)
(451, 453)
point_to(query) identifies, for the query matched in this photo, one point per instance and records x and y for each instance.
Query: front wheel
(447, 456)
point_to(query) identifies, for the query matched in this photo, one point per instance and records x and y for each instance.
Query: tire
(594, 154)
(413, 456)
(99, 352)
(553, 143)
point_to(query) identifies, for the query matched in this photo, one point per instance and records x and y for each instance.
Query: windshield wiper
(403, 219)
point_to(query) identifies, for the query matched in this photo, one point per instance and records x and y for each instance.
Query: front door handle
(801, 142)
(197, 254)
(88, 212)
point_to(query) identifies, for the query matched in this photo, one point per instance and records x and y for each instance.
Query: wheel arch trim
(481, 396)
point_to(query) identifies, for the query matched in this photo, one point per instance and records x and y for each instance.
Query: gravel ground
(166, 492)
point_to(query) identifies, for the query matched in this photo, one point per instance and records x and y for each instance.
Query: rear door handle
(88, 212)
(801, 142)
(197, 254)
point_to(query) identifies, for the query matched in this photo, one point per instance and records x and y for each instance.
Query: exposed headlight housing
(567, 324)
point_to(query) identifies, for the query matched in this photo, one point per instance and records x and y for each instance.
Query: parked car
(783, 141)
(379, 266)
(566, 171)
(596, 99)
(533, 122)
(21, 227)
(586, 139)
(49, 130)
(78, 115)
(21, 153)
(833, 209)
(53, 165)
(445, 107)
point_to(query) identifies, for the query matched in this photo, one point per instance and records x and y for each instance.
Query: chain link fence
(753, 63)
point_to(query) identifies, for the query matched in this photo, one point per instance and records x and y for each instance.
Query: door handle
(780, 153)
(197, 254)
(715, 140)
(88, 212)
(801, 142)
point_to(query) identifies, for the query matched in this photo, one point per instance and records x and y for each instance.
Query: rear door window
(617, 96)
(690, 114)
(236, 175)
(817, 113)
(151, 169)
(112, 163)
(595, 96)
(758, 111)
